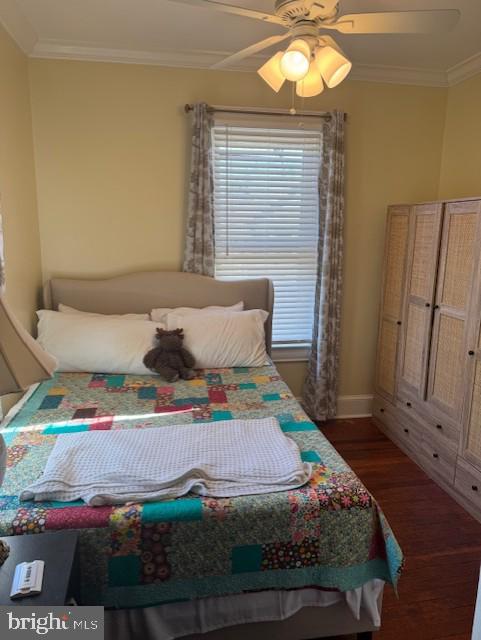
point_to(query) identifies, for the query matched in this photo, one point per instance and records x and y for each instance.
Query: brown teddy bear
(169, 359)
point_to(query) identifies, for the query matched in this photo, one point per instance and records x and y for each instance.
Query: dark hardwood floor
(441, 542)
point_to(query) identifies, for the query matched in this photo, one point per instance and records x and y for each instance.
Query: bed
(311, 555)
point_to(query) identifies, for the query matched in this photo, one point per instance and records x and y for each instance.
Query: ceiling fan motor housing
(290, 11)
(307, 30)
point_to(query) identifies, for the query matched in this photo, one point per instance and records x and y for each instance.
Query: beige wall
(17, 182)
(112, 142)
(18, 203)
(461, 161)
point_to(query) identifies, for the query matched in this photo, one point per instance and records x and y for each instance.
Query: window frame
(288, 351)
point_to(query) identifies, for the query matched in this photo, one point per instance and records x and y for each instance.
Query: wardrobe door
(458, 266)
(420, 285)
(472, 432)
(392, 299)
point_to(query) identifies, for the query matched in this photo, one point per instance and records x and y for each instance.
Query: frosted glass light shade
(271, 73)
(332, 65)
(312, 84)
(296, 60)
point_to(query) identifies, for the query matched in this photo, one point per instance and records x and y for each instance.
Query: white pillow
(63, 308)
(222, 339)
(96, 345)
(160, 315)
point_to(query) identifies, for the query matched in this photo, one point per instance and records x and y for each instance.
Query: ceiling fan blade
(238, 11)
(397, 22)
(320, 8)
(327, 41)
(249, 51)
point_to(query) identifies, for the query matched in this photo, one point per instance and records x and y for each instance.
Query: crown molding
(17, 25)
(464, 70)
(21, 30)
(399, 75)
(205, 59)
(193, 59)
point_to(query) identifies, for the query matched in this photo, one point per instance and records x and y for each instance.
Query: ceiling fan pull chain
(292, 110)
(302, 124)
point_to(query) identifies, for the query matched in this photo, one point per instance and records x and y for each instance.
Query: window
(266, 208)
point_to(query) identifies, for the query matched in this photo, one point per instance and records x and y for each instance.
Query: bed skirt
(181, 619)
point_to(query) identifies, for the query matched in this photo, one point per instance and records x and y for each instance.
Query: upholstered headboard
(141, 292)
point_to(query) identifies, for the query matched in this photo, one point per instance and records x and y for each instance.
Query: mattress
(329, 534)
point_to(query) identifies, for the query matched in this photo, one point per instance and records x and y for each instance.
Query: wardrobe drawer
(408, 433)
(403, 432)
(439, 459)
(406, 404)
(430, 414)
(382, 409)
(441, 431)
(434, 431)
(468, 482)
(386, 416)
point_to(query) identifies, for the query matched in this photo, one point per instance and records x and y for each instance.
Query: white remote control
(28, 578)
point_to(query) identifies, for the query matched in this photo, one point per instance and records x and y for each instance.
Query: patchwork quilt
(329, 534)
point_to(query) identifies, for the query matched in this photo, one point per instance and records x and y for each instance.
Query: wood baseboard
(354, 406)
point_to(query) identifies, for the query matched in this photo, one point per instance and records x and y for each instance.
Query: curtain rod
(266, 112)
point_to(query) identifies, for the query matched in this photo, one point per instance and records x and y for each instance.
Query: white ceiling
(167, 32)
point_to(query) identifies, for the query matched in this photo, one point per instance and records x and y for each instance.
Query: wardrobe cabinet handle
(435, 455)
(406, 430)
(439, 426)
(381, 410)
(399, 323)
(428, 304)
(471, 353)
(408, 404)
(474, 487)
(436, 307)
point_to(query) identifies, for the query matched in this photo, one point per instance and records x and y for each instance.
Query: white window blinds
(266, 207)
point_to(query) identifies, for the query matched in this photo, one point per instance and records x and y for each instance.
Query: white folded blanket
(222, 459)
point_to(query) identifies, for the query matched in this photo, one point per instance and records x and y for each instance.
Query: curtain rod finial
(187, 108)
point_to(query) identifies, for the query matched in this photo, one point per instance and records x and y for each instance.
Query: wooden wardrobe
(428, 374)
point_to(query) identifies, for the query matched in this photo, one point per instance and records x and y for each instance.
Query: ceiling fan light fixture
(296, 60)
(312, 85)
(271, 72)
(332, 65)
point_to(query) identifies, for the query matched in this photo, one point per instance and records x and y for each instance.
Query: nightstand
(60, 578)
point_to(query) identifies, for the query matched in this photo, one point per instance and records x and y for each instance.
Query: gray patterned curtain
(321, 385)
(199, 241)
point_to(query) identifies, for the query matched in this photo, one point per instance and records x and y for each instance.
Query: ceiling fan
(313, 58)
